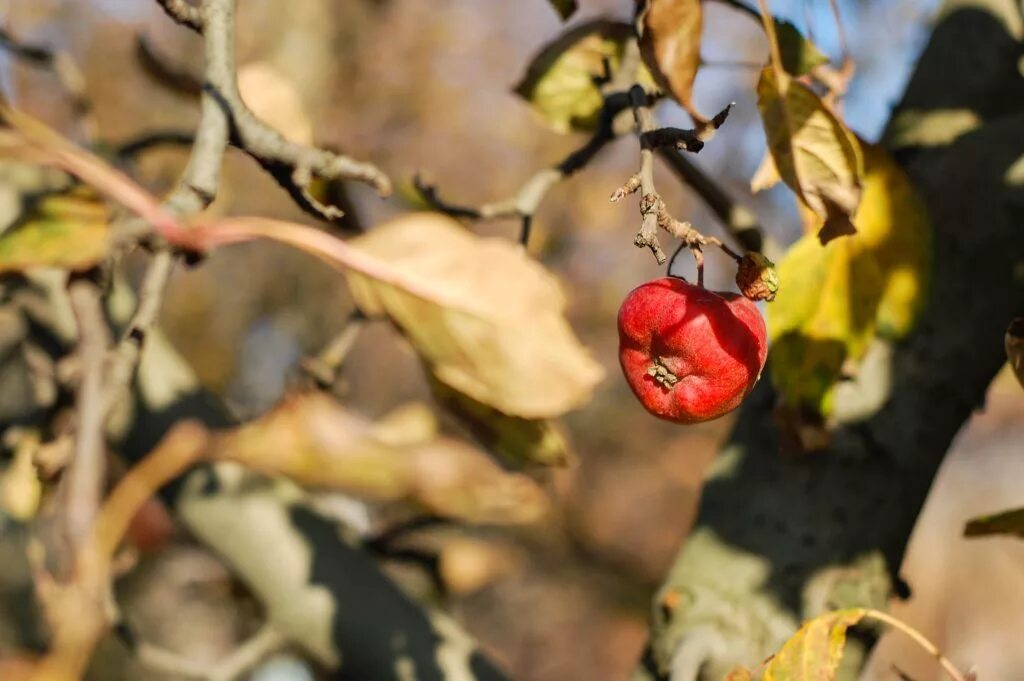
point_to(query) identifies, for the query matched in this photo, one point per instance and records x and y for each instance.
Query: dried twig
(87, 471)
(652, 207)
(527, 200)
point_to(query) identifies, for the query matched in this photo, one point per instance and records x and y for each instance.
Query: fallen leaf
(1006, 522)
(814, 652)
(70, 231)
(561, 82)
(669, 32)
(835, 299)
(814, 152)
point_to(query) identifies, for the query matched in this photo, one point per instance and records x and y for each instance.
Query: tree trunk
(781, 537)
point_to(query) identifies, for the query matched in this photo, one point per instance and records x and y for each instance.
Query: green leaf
(69, 231)
(670, 32)
(814, 652)
(814, 152)
(835, 299)
(799, 55)
(1007, 522)
(485, 318)
(519, 441)
(561, 82)
(565, 8)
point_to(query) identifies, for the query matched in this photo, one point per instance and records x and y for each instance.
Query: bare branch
(87, 471)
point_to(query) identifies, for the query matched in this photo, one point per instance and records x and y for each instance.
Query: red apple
(690, 354)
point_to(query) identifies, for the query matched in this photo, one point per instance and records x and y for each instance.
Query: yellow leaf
(669, 33)
(799, 55)
(487, 319)
(313, 440)
(835, 299)
(814, 152)
(67, 230)
(813, 653)
(561, 81)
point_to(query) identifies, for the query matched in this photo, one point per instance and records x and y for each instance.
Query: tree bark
(781, 537)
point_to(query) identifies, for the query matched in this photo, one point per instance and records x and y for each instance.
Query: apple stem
(698, 256)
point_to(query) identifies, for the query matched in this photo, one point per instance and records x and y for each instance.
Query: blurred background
(426, 86)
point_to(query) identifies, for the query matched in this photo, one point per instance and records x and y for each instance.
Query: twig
(527, 200)
(86, 473)
(740, 222)
(194, 192)
(324, 367)
(920, 640)
(652, 207)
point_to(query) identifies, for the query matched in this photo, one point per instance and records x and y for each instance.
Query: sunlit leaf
(814, 153)
(799, 55)
(669, 33)
(518, 440)
(766, 176)
(70, 231)
(835, 299)
(1015, 347)
(565, 8)
(313, 440)
(814, 652)
(1007, 522)
(739, 674)
(491, 322)
(562, 82)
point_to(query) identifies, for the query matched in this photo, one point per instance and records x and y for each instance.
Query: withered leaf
(670, 32)
(815, 154)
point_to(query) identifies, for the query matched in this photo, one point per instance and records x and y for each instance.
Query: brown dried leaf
(313, 440)
(1006, 522)
(565, 8)
(669, 33)
(814, 152)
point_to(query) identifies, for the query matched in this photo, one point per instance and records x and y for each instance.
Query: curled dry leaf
(561, 82)
(1015, 347)
(839, 297)
(313, 440)
(669, 33)
(799, 55)
(814, 153)
(486, 319)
